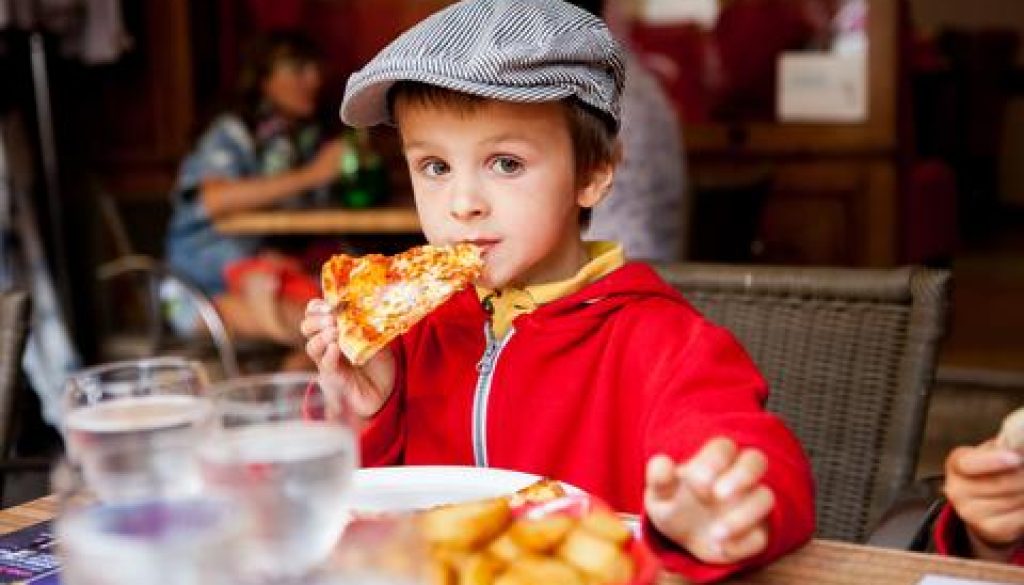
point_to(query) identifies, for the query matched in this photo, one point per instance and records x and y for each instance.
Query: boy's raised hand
(365, 388)
(713, 505)
(985, 485)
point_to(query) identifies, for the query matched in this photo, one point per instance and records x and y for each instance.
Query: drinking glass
(276, 452)
(133, 426)
(181, 541)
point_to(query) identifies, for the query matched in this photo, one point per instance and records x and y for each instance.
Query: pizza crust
(357, 350)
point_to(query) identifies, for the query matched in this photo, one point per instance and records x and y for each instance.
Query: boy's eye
(434, 168)
(506, 165)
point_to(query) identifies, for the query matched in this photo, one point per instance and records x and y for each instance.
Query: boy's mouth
(485, 244)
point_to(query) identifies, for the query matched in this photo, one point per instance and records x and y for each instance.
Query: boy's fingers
(976, 461)
(703, 469)
(331, 359)
(746, 515)
(744, 474)
(751, 544)
(315, 348)
(998, 486)
(318, 307)
(972, 505)
(318, 343)
(310, 325)
(661, 476)
(1001, 529)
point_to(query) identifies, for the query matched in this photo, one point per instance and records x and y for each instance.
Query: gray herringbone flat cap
(511, 50)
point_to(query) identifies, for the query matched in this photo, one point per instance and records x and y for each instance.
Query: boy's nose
(467, 204)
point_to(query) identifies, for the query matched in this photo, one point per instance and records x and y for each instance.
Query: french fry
(465, 526)
(510, 578)
(480, 543)
(451, 557)
(539, 491)
(539, 570)
(606, 525)
(505, 548)
(598, 558)
(479, 569)
(440, 573)
(541, 534)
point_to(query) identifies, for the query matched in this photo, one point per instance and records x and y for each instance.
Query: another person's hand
(325, 164)
(365, 388)
(985, 485)
(713, 505)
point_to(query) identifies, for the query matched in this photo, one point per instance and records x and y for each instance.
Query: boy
(565, 361)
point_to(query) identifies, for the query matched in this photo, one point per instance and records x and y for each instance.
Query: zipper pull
(484, 365)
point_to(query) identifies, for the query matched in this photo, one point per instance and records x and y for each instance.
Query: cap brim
(366, 100)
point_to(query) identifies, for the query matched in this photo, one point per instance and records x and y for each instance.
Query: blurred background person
(266, 152)
(646, 210)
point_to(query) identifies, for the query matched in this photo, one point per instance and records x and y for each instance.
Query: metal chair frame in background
(154, 274)
(15, 315)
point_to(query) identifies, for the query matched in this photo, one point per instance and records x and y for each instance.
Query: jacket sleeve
(710, 388)
(950, 537)
(382, 441)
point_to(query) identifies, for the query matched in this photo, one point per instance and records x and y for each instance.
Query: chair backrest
(850, 356)
(15, 310)
(151, 275)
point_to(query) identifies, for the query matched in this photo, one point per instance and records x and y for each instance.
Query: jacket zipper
(485, 376)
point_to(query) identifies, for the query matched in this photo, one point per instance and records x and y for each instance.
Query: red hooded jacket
(585, 389)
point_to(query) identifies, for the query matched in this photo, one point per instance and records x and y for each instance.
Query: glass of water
(133, 426)
(182, 541)
(289, 461)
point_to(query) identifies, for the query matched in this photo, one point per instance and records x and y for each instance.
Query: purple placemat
(29, 554)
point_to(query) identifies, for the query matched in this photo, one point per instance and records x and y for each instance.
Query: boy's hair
(593, 138)
(260, 58)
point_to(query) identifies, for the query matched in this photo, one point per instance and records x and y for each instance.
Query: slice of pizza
(377, 298)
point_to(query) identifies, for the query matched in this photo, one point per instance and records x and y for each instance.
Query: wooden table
(822, 562)
(374, 220)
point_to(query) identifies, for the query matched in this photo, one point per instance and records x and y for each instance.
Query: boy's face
(501, 176)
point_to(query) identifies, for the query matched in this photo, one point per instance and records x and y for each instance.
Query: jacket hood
(631, 283)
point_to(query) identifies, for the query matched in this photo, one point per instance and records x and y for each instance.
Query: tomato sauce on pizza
(377, 298)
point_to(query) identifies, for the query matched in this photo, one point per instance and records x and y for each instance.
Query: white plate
(413, 487)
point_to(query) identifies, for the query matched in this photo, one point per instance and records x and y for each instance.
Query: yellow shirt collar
(506, 304)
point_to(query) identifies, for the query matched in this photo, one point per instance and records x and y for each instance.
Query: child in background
(565, 360)
(268, 152)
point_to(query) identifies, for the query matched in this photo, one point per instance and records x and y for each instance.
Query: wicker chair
(850, 357)
(15, 309)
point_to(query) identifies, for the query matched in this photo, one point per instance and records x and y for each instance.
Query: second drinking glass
(290, 467)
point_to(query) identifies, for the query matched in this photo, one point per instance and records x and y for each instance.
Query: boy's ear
(600, 182)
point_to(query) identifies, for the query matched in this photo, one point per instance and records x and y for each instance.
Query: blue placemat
(29, 554)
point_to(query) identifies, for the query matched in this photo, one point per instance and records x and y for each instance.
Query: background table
(374, 220)
(821, 562)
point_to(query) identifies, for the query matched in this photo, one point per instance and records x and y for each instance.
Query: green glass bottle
(363, 178)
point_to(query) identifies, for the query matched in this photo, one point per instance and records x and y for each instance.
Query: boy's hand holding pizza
(366, 387)
(368, 302)
(713, 505)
